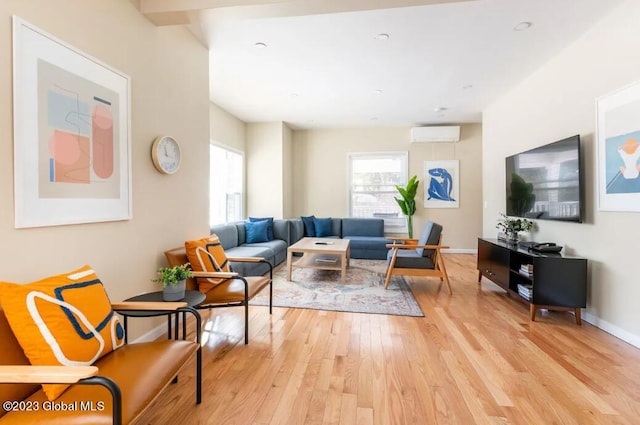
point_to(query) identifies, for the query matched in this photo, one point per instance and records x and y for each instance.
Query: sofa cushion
(257, 231)
(251, 250)
(278, 248)
(227, 233)
(281, 230)
(251, 269)
(62, 320)
(323, 227)
(336, 227)
(296, 231)
(367, 242)
(275, 245)
(269, 221)
(362, 227)
(207, 255)
(309, 227)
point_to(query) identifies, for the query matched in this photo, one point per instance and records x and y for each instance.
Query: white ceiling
(322, 66)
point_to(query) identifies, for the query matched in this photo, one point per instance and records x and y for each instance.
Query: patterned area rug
(362, 293)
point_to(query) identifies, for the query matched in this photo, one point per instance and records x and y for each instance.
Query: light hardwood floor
(475, 358)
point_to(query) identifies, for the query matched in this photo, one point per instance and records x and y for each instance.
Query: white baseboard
(152, 335)
(460, 251)
(612, 329)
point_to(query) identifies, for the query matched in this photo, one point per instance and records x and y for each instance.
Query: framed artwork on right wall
(618, 136)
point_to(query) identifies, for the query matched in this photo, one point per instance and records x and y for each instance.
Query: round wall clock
(165, 153)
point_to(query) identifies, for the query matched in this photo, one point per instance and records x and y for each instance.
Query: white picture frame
(72, 132)
(442, 184)
(618, 137)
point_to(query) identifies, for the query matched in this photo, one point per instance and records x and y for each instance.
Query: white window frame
(243, 174)
(404, 156)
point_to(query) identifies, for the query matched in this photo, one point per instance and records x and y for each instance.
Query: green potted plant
(408, 203)
(173, 281)
(512, 226)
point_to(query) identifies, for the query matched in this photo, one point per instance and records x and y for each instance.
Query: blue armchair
(421, 257)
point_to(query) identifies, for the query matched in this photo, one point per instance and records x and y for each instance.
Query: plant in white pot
(513, 226)
(173, 281)
(408, 201)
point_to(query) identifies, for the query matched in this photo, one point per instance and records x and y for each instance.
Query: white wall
(287, 171)
(264, 169)
(269, 170)
(226, 129)
(321, 176)
(169, 77)
(559, 101)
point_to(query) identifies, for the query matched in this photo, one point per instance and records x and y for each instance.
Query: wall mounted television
(546, 183)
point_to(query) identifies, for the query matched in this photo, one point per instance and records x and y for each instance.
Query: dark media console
(553, 282)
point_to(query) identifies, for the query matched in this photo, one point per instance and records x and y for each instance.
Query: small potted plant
(408, 202)
(512, 226)
(173, 281)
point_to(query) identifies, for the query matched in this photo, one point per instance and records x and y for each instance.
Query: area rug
(362, 293)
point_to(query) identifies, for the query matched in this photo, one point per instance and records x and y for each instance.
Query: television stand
(555, 281)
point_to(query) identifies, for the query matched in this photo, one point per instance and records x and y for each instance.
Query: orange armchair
(235, 291)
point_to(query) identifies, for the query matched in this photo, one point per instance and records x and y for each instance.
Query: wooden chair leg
(391, 265)
(246, 321)
(443, 269)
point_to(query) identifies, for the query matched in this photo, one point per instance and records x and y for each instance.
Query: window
(373, 178)
(225, 185)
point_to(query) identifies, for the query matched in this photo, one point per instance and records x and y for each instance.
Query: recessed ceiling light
(377, 91)
(374, 119)
(382, 36)
(439, 109)
(522, 26)
(295, 94)
(260, 45)
(467, 87)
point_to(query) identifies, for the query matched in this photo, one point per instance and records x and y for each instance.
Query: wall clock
(165, 153)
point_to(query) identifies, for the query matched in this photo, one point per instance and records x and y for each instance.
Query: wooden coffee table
(319, 253)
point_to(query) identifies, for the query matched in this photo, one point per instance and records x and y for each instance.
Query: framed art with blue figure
(442, 184)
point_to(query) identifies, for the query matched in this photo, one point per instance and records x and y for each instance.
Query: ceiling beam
(183, 12)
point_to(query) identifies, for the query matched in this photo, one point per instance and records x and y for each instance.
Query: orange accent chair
(233, 291)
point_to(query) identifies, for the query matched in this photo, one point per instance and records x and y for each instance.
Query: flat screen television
(546, 182)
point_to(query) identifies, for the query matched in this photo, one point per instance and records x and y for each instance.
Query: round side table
(191, 297)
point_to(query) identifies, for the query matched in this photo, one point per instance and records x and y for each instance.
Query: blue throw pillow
(323, 227)
(269, 228)
(256, 231)
(309, 228)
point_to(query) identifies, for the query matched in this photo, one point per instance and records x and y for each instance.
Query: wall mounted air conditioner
(442, 133)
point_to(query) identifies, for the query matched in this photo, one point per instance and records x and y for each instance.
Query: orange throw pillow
(62, 320)
(207, 255)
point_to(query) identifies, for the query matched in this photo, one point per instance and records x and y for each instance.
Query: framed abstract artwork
(71, 134)
(618, 135)
(442, 184)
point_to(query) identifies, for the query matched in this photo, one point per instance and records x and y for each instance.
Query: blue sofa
(233, 239)
(366, 236)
